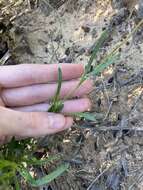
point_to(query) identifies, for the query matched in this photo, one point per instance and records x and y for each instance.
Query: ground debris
(53, 32)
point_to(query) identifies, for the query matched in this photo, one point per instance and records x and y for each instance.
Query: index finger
(27, 74)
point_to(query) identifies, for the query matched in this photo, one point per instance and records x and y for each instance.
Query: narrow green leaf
(6, 163)
(88, 67)
(26, 175)
(109, 61)
(17, 186)
(46, 179)
(7, 175)
(96, 49)
(57, 105)
(98, 69)
(59, 84)
(34, 161)
(85, 115)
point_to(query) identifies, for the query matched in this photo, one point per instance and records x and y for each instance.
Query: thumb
(33, 124)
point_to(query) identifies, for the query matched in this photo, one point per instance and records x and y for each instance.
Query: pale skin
(26, 91)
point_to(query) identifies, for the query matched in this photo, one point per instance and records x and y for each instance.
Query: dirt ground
(107, 154)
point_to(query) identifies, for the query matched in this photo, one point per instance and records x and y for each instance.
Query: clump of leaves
(17, 160)
(91, 69)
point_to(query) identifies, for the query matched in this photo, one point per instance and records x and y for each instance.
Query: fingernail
(57, 121)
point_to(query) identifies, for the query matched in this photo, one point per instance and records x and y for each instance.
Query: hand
(25, 93)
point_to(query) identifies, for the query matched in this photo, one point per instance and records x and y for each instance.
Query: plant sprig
(57, 105)
(17, 158)
(86, 115)
(97, 46)
(108, 60)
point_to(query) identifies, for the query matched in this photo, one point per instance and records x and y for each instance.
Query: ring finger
(70, 106)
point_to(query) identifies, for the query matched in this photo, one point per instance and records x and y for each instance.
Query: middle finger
(34, 94)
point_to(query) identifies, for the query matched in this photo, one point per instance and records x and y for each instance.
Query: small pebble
(86, 28)
(66, 60)
(58, 38)
(140, 10)
(67, 51)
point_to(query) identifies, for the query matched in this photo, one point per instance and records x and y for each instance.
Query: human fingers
(35, 94)
(27, 74)
(70, 106)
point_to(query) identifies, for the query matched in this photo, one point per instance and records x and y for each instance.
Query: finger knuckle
(32, 121)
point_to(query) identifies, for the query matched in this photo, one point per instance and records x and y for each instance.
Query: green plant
(108, 60)
(17, 160)
(17, 157)
(57, 104)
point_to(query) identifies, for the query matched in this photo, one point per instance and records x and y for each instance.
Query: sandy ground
(109, 152)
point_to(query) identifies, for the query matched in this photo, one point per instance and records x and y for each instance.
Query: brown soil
(106, 154)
